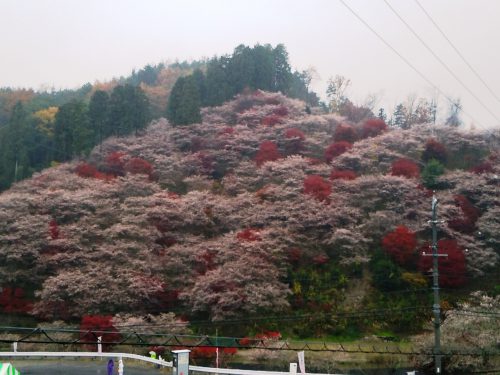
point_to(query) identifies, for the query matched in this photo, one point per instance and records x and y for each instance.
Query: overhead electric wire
(340, 315)
(441, 61)
(493, 314)
(346, 315)
(405, 60)
(457, 51)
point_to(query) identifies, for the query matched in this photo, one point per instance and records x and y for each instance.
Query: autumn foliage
(271, 120)
(87, 170)
(336, 149)
(268, 151)
(405, 168)
(115, 163)
(467, 224)
(346, 133)
(242, 240)
(452, 268)
(342, 174)
(294, 133)
(400, 244)
(248, 235)
(139, 166)
(210, 352)
(484, 167)
(93, 326)
(53, 230)
(317, 187)
(435, 150)
(373, 127)
(13, 300)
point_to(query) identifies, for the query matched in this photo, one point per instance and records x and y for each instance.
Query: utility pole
(436, 308)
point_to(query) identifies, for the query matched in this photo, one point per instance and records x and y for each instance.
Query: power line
(457, 51)
(347, 315)
(490, 314)
(440, 60)
(405, 59)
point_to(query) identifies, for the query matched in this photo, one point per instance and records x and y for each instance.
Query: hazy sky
(66, 43)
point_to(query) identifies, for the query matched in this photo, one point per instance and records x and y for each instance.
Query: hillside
(260, 210)
(38, 129)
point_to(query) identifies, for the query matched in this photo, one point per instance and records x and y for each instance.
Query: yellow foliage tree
(45, 120)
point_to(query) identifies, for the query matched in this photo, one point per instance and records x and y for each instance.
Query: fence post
(293, 369)
(14, 346)
(120, 366)
(99, 344)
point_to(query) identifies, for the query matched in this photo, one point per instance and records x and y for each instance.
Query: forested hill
(260, 209)
(39, 129)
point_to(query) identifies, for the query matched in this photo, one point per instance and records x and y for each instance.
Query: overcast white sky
(66, 43)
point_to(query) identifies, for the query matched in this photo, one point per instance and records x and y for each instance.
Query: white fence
(198, 369)
(84, 355)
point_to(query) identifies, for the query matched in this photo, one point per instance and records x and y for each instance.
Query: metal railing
(163, 363)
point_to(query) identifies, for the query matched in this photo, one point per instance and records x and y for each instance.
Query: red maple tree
(467, 224)
(434, 150)
(336, 149)
(452, 268)
(342, 174)
(484, 167)
(373, 127)
(53, 229)
(87, 170)
(93, 326)
(268, 151)
(248, 234)
(405, 168)
(139, 166)
(271, 120)
(400, 244)
(317, 187)
(345, 132)
(13, 300)
(115, 163)
(294, 133)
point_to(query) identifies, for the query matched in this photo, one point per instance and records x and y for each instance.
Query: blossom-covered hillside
(261, 209)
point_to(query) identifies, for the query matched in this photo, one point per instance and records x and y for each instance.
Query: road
(79, 367)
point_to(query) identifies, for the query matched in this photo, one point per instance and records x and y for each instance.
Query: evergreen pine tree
(264, 73)
(98, 114)
(72, 135)
(184, 102)
(200, 80)
(14, 150)
(128, 110)
(282, 70)
(399, 118)
(218, 89)
(382, 115)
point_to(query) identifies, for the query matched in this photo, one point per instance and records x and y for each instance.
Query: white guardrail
(85, 355)
(210, 370)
